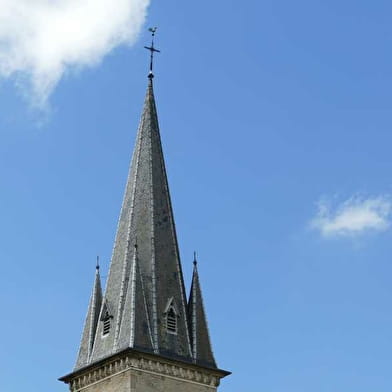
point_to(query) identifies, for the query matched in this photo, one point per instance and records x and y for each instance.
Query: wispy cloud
(41, 39)
(353, 217)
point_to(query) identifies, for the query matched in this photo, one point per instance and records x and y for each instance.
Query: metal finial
(97, 266)
(194, 259)
(152, 50)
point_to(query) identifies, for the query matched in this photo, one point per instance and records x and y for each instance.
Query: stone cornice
(134, 360)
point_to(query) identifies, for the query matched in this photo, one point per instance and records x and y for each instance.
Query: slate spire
(145, 280)
(90, 325)
(200, 340)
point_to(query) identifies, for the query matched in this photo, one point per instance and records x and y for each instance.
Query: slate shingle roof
(90, 325)
(145, 275)
(201, 345)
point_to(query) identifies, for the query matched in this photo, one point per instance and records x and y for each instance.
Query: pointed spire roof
(140, 335)
(90, 325)
(143, 279)
(201, 345)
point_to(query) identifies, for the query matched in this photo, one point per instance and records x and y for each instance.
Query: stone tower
(143, 335)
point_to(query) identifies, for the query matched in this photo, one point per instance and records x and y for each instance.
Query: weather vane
(152, 50)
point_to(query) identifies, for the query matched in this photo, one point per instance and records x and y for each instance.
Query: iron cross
(152, 50)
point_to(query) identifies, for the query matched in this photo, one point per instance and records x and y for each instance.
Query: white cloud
(353, 217)
(41, 39)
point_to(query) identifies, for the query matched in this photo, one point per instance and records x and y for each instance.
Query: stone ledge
(132, 360)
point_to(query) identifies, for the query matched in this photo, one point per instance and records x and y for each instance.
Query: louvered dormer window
(171, 321)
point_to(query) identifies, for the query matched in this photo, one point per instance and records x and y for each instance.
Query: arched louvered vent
(106, 319)
(171, 320)
(106, 325)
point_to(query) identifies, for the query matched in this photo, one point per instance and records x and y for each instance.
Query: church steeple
(154, 275)
(139, 328)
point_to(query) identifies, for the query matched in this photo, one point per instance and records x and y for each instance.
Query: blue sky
(276, 125)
